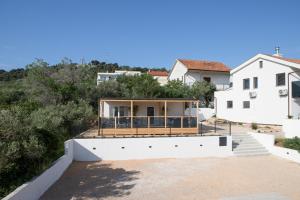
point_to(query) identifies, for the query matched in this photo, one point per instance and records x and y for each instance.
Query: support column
(99, 117)
(131, 114)
(102, 113)
(197, 114)
(166, 114)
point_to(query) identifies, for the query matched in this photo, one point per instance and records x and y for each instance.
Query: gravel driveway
(232, 178)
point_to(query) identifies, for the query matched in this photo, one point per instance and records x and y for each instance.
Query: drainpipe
(289, 90)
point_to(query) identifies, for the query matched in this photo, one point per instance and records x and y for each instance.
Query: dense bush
(293, 143)
(254, 126)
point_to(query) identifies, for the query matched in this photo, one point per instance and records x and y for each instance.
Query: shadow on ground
(84, 180)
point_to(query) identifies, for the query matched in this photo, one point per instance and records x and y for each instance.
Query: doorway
(150, 113)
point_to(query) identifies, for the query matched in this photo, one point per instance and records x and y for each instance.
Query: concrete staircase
(245, 145)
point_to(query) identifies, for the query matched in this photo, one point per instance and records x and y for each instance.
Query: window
(230, 84)
(280, 79)
(255, 82)
(121, 111)
(261, 64)
(246, 84)
(207, 79)
(246, 104)
(229, 104)
(295, 89)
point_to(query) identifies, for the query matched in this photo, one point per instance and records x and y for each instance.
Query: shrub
(293, 143)
(254, 126)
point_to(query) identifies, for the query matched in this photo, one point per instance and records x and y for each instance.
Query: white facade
(105, 76)
(269, 103)
(182, 73)
(291, 127)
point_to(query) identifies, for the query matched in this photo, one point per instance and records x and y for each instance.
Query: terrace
(132, 117)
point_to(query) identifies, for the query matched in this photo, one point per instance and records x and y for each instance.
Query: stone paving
(231, 178)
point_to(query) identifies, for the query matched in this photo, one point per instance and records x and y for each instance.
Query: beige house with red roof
(190, 71)
(160, 76)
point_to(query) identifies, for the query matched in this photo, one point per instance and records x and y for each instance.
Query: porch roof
(151, 99)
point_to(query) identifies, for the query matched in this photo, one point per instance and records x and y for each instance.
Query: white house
(160, 76)
(190, 71)
(265, 89)
(105, 76)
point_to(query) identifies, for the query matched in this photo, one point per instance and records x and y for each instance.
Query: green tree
(176, 89)
(204, 91)
(139, 86)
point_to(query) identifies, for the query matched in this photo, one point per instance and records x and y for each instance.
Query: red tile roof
(297, 61)
(204, 65)
(157, 73)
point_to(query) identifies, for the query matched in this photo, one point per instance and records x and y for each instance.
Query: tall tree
(204, 91)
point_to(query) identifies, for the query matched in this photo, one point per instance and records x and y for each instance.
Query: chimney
(277, 52)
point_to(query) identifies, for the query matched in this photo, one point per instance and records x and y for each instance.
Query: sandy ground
(231, 178)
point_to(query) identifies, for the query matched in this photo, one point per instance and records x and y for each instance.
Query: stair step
(244, 137)
(249, 148)
(246, 145)
(250, 151)
(246, 142)
(253, 154)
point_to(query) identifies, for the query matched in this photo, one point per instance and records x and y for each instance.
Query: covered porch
(138, 117)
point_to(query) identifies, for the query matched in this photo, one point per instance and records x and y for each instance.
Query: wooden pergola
(166, 127)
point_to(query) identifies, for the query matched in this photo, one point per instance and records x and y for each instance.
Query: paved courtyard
(231, 178)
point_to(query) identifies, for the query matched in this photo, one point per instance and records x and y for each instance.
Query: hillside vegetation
(42, 106)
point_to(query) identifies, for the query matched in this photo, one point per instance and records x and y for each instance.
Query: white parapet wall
(35, 188)
(268, 140)
(148, 148)
(291, 128)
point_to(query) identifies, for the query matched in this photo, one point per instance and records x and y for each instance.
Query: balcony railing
(161, 124)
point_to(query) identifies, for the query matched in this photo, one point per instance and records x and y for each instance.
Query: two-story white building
(265, 89)
(190, 71)
(105, 76)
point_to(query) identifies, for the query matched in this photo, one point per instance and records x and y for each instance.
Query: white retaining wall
(268, 142)
(35, 188)
(147, 148)
(291, 128)
(121, 149)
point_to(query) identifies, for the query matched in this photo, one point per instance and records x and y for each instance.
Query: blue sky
(146, 33)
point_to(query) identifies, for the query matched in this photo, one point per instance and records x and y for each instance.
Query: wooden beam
(147, 100)
(102, 111)
(166, 114)
(181, 121)
(98, 118)
(197, 114)
(131, 114)
(115, 126)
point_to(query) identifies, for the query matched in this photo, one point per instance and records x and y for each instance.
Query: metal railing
(215, 127)
(148, 122)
